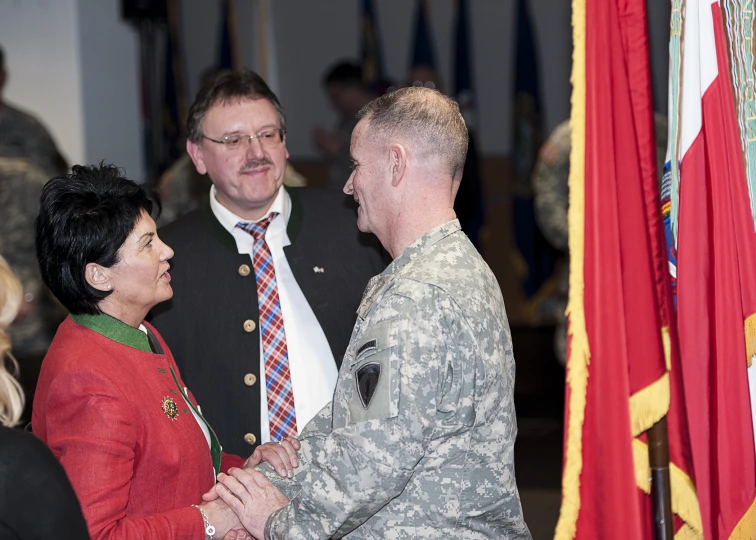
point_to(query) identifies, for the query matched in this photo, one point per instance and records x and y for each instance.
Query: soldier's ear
(195, 152)
(397, 163)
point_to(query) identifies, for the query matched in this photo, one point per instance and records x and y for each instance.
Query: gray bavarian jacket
(419, 439)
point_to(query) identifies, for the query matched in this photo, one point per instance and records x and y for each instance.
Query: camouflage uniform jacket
(23, 136)
(419, 441)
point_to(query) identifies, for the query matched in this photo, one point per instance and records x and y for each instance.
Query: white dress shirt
(311, 364)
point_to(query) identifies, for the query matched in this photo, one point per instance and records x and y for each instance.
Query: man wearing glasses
(266, 279)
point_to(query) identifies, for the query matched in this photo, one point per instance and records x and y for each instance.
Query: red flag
(619, 308)
(716, 269)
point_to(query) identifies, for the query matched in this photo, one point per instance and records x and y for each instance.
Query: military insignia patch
(170, 408)
(368, 345)
(367, 380)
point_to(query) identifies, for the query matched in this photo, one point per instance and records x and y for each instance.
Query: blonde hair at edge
(11, 394)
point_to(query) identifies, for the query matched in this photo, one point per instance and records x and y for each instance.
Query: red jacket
(136, 471)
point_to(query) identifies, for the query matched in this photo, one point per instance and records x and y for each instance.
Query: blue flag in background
(173, 109)
(228, 49)
(373, 74)
(536, 253)
(463, 86)
(422, 52)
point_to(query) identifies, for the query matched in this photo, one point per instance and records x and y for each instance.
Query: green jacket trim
(115, 330)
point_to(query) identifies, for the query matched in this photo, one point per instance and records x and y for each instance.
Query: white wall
(73, 63)
(41, 43)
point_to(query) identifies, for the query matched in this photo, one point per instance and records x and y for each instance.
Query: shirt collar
(398, 265)
(115, 330)
(281, 204)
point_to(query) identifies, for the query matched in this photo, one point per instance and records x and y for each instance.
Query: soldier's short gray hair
(424, 117)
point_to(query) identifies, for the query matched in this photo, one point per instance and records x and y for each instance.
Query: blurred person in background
(347, 94)
(21, 184)
(36, 498)
(23, 136)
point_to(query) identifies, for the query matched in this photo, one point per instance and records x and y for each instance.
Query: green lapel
(113, 329)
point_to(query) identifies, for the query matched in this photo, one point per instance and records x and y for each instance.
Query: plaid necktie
(281, 414)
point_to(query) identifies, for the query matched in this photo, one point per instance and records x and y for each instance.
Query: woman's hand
(251, 496)
(281, 456)
(223, 518)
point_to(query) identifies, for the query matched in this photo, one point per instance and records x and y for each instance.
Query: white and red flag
(712, 248)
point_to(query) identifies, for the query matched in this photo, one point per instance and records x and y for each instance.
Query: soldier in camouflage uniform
(21, 184)
(419, 439)
(23, 136)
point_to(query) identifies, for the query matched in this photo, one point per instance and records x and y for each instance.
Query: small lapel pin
(318, 269)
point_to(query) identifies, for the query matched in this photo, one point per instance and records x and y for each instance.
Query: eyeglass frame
(223, 141)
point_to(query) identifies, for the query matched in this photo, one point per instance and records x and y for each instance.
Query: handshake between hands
(239, 505)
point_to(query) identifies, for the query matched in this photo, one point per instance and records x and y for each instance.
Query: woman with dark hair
(110, 401)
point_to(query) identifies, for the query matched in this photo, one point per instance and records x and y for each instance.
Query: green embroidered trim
(115, 330)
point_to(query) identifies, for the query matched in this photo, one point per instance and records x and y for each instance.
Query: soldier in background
(23, 136)
(347, 94)
(21, 184)
(419, 438)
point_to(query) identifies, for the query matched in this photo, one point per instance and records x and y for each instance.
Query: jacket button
(249, 325)
(250, 439)
(244, 270)
(250, 379)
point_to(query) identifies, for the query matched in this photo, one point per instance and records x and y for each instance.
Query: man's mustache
(251, 165)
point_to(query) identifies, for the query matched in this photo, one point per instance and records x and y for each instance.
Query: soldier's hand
(252, 498)
(281, 456)
(236, 534)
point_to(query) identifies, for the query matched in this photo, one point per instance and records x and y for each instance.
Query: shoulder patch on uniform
(367, 380)
(372, 344)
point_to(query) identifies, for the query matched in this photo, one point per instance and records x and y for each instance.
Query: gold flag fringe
(579, 355)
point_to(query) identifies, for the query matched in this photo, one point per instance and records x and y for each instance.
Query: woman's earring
(110, 286)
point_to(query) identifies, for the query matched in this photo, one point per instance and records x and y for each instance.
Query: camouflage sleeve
(362, 465)
(44, 151)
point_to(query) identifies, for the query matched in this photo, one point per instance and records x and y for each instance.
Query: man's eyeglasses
(268, 138)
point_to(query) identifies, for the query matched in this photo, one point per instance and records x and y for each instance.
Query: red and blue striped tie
(282, 416)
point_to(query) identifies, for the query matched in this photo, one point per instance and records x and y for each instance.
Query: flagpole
(658, 458)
